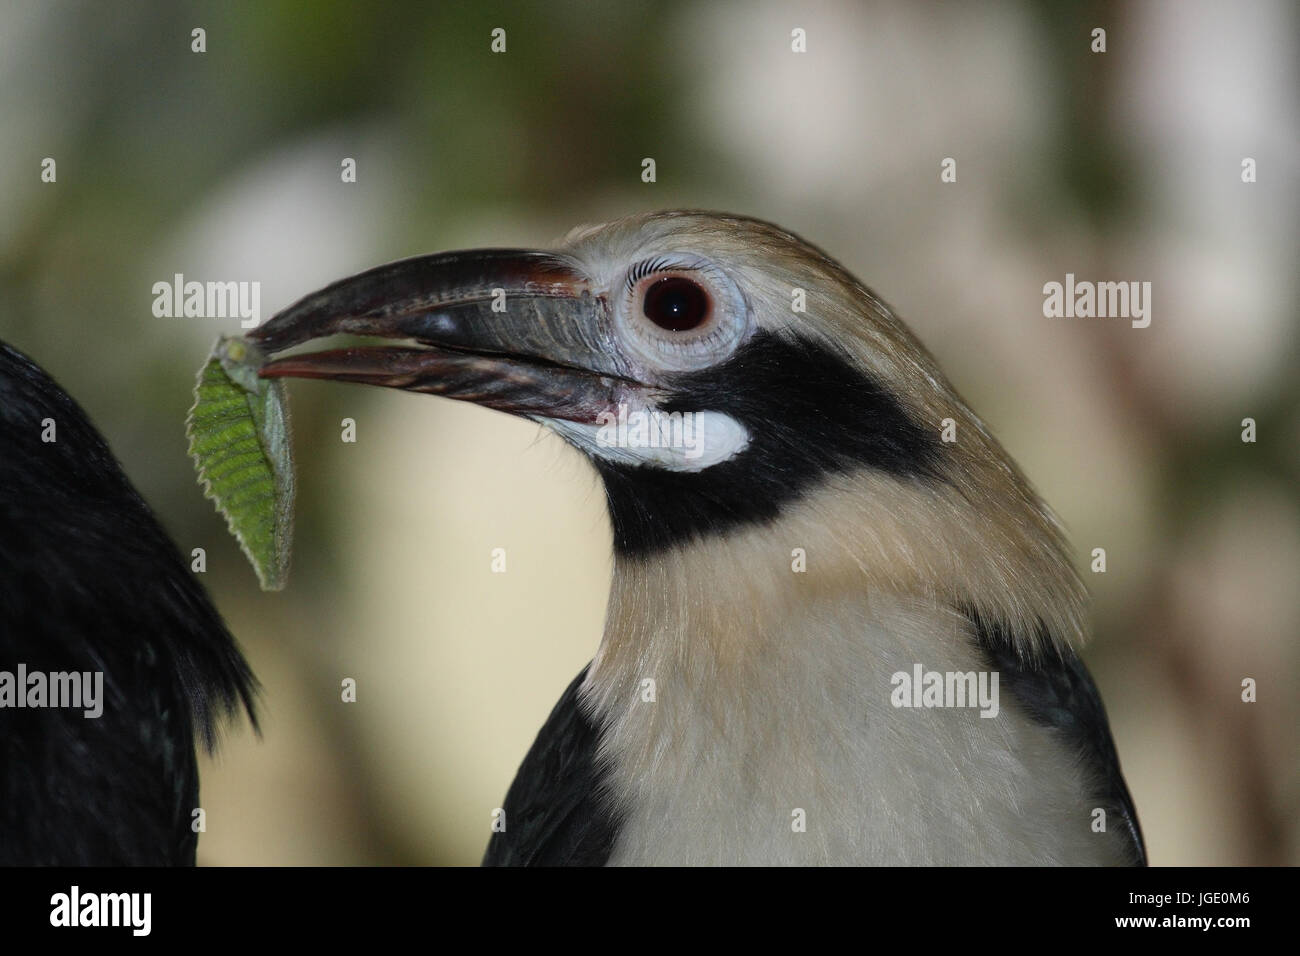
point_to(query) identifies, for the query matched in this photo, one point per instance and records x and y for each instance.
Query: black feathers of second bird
(90, 581)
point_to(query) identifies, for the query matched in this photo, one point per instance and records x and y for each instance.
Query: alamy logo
(74, 689)
(958, 689)
(76, 908)
(651, 428)
(1102, 300)
(208, 300)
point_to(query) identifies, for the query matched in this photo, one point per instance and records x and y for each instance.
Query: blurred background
(225, 165)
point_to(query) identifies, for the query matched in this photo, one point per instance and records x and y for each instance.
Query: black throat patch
(809, 413)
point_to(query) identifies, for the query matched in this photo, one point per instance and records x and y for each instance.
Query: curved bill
(517, 330)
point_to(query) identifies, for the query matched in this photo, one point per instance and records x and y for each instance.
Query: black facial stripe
(808, 412)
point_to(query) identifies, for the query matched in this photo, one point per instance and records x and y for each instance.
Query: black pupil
(676, 304)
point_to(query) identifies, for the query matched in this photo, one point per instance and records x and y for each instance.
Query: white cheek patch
(647, 436)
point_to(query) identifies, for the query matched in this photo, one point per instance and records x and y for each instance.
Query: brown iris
(676, 304)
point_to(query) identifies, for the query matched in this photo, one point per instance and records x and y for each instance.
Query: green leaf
(240, 441)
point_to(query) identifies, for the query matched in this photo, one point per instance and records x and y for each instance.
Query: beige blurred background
(1124, 165)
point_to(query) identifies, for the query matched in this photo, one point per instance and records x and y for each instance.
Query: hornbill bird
(780, 576)
(90, 584)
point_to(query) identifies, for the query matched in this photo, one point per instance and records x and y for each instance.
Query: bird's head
(735, 387)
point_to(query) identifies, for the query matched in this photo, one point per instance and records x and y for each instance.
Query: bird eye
(680, 312)
(676, 303)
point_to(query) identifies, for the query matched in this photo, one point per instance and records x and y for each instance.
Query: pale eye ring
(681, 312)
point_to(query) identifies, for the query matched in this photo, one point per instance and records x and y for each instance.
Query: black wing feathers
(90, 582)
(555, 811)
(1058, 692)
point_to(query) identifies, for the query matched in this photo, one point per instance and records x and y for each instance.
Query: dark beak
(515, 330)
